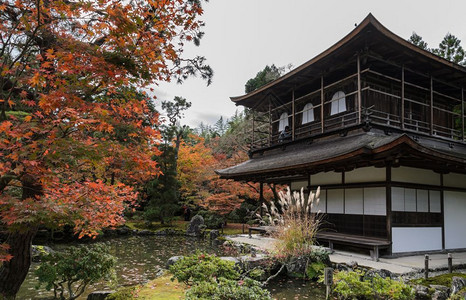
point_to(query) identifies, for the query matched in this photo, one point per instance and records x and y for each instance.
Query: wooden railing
(384, 100)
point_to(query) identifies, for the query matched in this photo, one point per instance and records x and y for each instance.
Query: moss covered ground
(444, 279)
(230, 229)
(177, 225)
(160, 288)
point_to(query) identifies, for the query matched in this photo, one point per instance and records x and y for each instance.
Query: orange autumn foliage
(195, 166)
(227, 195)
(200, 185)
(76, 132)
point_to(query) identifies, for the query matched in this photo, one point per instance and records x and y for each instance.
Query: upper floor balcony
(378, 94)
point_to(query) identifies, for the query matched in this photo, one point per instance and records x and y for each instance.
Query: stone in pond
(296, 268)
(457, 283)
(441, 288)
(439, 295)
(99, 295)
(382, 273)
(38, 252)
(195, 226)
(421, 292)
(172, 260)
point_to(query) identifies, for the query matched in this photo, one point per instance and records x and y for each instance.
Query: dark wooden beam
(253, 129)
(425, 75)
(462, 114)
(270, 123)
(322, 103)
(431, 106)
(442, 206)
(359, 89)
(293, 112)
(403, 97)
(388, 202)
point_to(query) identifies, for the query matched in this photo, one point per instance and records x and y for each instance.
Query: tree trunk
(13, 272)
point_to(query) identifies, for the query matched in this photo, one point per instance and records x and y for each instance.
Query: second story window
(338, 103)
(283, 122)
(308, 113)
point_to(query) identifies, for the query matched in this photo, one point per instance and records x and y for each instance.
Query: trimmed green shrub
(213, 278)
(315, 269)
(351, 285)
(225, 289)
(71, 271)
(202, 267)
(257, 274)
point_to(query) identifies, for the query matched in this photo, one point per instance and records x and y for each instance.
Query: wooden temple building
(379, 125)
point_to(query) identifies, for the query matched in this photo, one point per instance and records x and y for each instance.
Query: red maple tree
(200, 185)
(76, 128)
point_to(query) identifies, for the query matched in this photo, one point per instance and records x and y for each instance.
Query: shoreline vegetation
(163, 287)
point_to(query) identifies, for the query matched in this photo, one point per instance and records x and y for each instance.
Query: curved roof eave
(403, 139)
(369, 20)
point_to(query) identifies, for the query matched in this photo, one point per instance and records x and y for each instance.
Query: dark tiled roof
(300, 156)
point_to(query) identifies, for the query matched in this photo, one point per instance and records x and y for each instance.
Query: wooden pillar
(462, 114)
(270, 123)
(261, 197)
(442, 207)
(403, 97)
(431, 105)
(253, 129)
(322, 102)
(293, 119)
(359, 90)
(388, 175)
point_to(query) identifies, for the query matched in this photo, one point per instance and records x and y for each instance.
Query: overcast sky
(243, 36)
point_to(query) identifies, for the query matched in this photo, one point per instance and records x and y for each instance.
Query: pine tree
(450, 48)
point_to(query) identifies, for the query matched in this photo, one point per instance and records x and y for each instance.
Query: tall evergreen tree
(268, 74)
(221, 126)
(163, 191)
(418, 41)
(450, 48)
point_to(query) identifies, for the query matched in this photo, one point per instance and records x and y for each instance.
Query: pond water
(140, 257)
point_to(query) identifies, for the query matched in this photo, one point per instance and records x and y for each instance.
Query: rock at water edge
(195, 226)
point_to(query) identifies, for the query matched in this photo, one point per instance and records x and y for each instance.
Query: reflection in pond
(140, 258)
(296, 289)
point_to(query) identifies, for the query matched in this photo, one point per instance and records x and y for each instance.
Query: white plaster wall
(455, 219)
(322, 204)
(335, 201)
(422, 200)
(410, 199)
(434, 198)
(454, 180)
(326, 178)
(375, 201)
(297, 185)
(354, 201)
(398, 199)
(409, 239)
(414, 175)
(368, 174)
